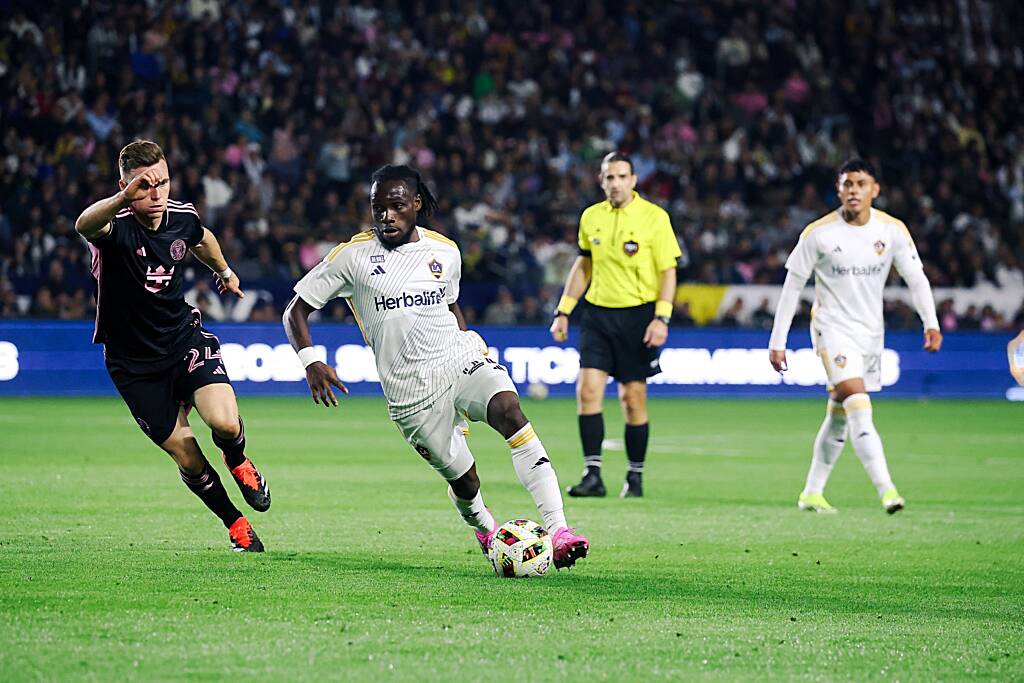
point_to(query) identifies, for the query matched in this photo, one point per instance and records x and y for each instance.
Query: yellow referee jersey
(630, 248)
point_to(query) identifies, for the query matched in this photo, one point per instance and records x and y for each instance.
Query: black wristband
(663, 318)
(558, 313)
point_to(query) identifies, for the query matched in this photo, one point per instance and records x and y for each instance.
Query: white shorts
(845, 358)
(438, 432)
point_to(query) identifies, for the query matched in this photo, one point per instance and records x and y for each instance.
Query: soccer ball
(520, 548)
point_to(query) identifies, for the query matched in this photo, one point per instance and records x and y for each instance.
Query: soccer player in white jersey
(850, 253)
(402, 284)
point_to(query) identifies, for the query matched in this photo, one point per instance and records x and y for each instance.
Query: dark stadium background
(736, 115)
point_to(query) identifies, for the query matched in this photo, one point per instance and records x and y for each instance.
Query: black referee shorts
(154, 393)
(612, 339)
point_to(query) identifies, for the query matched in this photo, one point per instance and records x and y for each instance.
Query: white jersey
(851, 264)
(400, 298)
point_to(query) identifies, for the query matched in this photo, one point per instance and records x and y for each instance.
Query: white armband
(308, 356)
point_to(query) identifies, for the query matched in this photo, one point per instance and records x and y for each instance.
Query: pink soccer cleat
(485, 538)
(568, 546)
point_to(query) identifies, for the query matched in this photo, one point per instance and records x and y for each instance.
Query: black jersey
(141, 314)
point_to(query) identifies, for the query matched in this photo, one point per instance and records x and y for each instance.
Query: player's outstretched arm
(319, 375)
(575, 285)
(212, 256)
(94, 222)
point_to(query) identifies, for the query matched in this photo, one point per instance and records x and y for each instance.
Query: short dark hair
(856, 164)
(411, 177)
(139, 154)
(617, 156)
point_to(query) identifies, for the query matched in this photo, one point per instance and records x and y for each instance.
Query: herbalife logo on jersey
(406, 300)
(158, 278)
(858, 271)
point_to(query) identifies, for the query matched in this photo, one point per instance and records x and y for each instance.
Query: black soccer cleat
(252, 485)
(590, 486)
(633, 487)
(244, 538)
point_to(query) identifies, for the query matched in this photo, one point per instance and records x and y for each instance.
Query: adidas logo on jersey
(389, 303)
(379, 270)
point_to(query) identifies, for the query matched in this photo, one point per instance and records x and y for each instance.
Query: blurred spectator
(763, 316)
(736, 113)
(503, 311)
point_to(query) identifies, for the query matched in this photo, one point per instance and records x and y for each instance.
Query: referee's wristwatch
(663, 318)
(558, 313)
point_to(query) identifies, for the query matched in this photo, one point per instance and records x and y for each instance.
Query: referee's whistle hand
(656, 334)
(560, 328)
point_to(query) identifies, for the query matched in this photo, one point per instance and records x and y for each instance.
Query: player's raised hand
(560, 328)
(656, 334)
(932, 340)
(229, 284)
(320, 377)
(777, 357)
(139, 187)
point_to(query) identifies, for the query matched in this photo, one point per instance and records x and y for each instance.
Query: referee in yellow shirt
(628, 254)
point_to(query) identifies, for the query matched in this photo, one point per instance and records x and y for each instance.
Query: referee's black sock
(233, 449)
(207, 486)
(636, 446)
(591, 436)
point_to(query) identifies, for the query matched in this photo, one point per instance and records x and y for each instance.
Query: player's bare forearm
(92, 222)
(208, 251)
(459, 318)
(320, 376)
(296, 323)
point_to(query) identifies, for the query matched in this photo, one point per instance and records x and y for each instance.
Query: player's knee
(505, 414)
(224, 421)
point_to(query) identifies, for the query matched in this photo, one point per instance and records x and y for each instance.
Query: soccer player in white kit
(402, 283)
(850, 252)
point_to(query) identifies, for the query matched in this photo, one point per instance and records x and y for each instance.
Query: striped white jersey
(400, 299)
(851, 264)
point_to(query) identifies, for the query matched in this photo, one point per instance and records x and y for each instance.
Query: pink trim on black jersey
(97, 272)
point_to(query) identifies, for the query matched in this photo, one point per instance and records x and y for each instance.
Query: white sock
(828, 446)
(866, 442)
(473, 511)
(534, 469)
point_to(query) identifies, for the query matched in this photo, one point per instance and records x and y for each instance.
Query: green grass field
(110, 569)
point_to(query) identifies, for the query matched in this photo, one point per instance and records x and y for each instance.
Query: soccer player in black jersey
(158, 355)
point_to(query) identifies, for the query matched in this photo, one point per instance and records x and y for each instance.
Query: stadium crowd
(736, 113)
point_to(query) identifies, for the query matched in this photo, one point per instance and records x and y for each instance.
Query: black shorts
(154, 395)
(612, 339)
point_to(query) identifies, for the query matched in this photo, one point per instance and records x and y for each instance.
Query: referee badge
(435, 268)
(630, 248)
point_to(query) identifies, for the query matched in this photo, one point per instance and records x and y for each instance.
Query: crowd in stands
(736, 113)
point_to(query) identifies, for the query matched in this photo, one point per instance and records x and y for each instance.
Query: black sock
(636, 446)
(207, 486)
(591, 436)
(234, 449)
